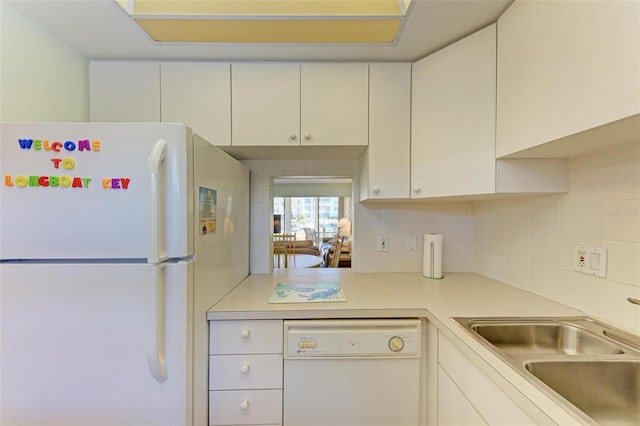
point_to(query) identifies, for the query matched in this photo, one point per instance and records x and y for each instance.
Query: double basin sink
(593, 366)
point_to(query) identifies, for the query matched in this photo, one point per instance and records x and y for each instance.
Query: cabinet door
(198, 95)
(489, 400)
(453, 119)
(565, 67)
(385, 166)
(453, 407)
(265, 104)
(124, 91)
(334, 104)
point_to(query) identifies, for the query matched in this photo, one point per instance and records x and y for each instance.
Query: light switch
(590, 260)
(411, 243)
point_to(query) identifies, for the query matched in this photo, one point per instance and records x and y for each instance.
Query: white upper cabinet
(265, 104)
(453, 119)
(565, 67)
(293, 105)
(384, 167)
(334, 103)
(453, 128)
(198, 94)
(124, 91)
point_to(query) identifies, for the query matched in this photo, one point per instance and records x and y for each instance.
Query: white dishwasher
(352, 372)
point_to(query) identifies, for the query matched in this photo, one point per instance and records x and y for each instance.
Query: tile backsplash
(453, 220)
(528, 242)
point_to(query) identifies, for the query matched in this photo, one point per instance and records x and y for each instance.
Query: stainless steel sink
(548, 338)
(590, 367)
(608, 391)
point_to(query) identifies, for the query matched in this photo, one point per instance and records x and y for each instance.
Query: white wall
(454, 220)
(398, 220)
(41, 78)
(528, 242)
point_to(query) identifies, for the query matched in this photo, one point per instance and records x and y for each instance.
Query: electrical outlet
(383, 243)
(590, 260)
(581, 257)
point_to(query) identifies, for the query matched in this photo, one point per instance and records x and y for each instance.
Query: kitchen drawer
(245, 372)
(244, 407)
(245, 337)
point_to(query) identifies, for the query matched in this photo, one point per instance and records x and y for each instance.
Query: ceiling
(100, 29)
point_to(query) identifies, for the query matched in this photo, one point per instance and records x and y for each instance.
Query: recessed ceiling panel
(271, 31)
(269, 21)
(103, 30)
(267, 7)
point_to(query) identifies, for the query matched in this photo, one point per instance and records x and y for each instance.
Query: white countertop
(395, 295)
(385, 295)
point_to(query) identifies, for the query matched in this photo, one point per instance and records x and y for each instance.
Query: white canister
(432, 256)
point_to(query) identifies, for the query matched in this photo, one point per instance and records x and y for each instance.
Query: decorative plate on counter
(302, 292)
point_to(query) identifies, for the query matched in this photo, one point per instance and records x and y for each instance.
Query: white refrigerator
(115, 239)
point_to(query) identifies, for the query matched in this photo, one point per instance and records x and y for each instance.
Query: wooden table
(298, 261)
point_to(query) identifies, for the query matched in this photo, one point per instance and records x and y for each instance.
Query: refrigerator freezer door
(82, 190)
(75, 342)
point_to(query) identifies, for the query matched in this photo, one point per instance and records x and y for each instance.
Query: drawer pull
(245, 333)
(244, 405)
(244, 368)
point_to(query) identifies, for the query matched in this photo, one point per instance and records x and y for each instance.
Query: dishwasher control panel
(352, 338)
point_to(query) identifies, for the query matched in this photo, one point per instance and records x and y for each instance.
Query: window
(321, 214)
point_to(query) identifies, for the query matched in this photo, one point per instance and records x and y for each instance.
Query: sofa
(303, 247)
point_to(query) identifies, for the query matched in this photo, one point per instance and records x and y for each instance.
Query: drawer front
(243, 407)
(245, 337)
(245, 372)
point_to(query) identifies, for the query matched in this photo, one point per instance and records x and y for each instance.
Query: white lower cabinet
(245, 407)
(466, 395)
(262, 371)
(453, 406)
(245, 372)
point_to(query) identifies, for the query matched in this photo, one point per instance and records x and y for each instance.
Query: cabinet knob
(244, 368)
(244, 404)
(293, 136)
(417, 189)
(307, 136)
(245, 333)
(376, 190)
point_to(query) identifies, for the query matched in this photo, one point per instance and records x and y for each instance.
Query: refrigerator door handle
(156, 157)
(156, 356)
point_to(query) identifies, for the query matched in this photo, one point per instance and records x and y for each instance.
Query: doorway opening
(315, 217)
